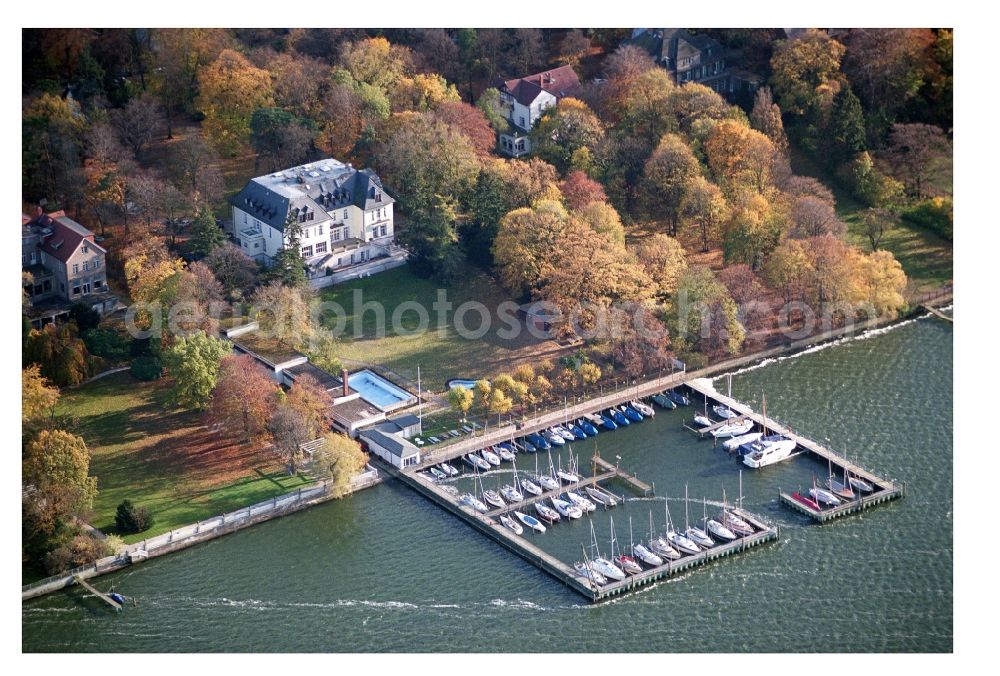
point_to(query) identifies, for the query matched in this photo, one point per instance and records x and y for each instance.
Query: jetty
(489, 525)
(99, 594)
(937, 313)
(884, 489)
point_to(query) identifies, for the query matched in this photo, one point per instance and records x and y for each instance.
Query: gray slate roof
(321, 187)
(401, 448)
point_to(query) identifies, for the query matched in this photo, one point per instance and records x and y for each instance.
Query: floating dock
(885, 489)
(492, 528)
(99, 594)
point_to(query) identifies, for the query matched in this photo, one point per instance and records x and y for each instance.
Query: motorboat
(511, 494)
(580, 501)
(554, 438)
(530, 486)
(567, 509)
(724, 411)
(642, 408)
(703, 420)
(438, 474)
(538, 442)
(601, 497)
(768, 450)
(641, 552)
(734, 443)
(490, 457)
(663, 401)
(719, 531)
(587, 427)
(493, 498)
(530, 521)
(631, 413)
(618, 417)
(678, 398)
(511, 524)
(608, 423)
(563, 432)
(607, 569)
(471, 500)
(546, 513)
(589, 573)
(476, 462)
(448, 469)
(732, 429)
(578, 433)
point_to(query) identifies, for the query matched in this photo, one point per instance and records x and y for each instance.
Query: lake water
(386, 570)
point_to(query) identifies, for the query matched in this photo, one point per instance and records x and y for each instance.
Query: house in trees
(697, 58)
(344, 215)
(66, 265)
(525, 99)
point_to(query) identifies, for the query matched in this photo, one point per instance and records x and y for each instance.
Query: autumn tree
(704, 316)
(233, 268)
(55, 467)
(562, 132)
(766, 118)
(753, 229)
(339, 459)
(59, 353)
(884, 283)
(282, 312)
(789, 268)
(604, 220)
(663, 259)
(579, 190)
(181, 54)
(645, 106)
(376, 61)
(243, 396)
(524, 245)
(639, 341)
(803, 68)
(423, 91)
(470, 122)
(704, 205)
(666, 178)
(574, 46)
(460, 399)
(193, 363)
(623, 67)
(139, 121)
(888, 66)
(915, 151)
(38, 398)
(812, 216)
(230, 90)
(740, 157)
(280, 138)
(872, 186)
(875, 222)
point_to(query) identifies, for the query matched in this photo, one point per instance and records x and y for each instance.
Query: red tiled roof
(66, 235)
(560, 82)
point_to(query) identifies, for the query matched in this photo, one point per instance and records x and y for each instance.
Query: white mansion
(345, 215)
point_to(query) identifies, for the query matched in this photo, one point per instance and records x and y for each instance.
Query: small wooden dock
(885, 489)
(937, 313)
(630, 479)
(532, 499)
(99, 594)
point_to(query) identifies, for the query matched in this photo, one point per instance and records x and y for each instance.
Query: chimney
(347, 386)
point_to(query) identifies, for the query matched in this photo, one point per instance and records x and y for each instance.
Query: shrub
(85, 316)
(113, 545)
(79, 551)
(935, 214)
(146, 368)
(106, 343)
(130, 518)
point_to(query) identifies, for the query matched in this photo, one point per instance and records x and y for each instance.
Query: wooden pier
(937, 313)
(630, 479)
(489, 526)
(532, 499)
(885, 489)
(99, 594)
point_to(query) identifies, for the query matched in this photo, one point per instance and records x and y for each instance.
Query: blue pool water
(467, 384)
(377, 390)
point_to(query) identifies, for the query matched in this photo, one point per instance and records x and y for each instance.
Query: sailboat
(587, 426)
(696, 534)
(734, 429)
(702, 418)
(724, 411)
(618, 417)
(601, 564)
(476, 462)
(511, 524)
(734, 443)
(643, 408)
(530, 521)
(660, 546)
(642, 552)
(580, 501)
(490, 457)
(840, 489)
(589, 573)
(608, 423)
(511, 494)
(546, 513)
(681, 542)
(554, 438)
(567, 509)
(859, 483)
(823, 496)
(505, 452)
(567, 475)
(678, 398)
(601, 496)
(490, 496)
(631, 413)
(471, 500)
(663, 401)
(627, 563)
(438, 474)
(538, 441)
(448, 469)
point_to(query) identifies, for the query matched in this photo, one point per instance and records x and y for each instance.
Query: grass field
(164, 458)
(440, 351)
(926, 258)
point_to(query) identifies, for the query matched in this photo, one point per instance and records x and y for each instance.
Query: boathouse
(392, 448)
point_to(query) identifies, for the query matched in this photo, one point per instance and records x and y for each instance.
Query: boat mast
(687, 524)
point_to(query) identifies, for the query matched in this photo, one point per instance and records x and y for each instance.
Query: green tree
(193, 363)
(286, 267)
(666, 177)
(847, 126)
(339, 459)
(704, 316)
(59, 352)
(460, 399)
(206, 236)
(563, 131)
(57, 463)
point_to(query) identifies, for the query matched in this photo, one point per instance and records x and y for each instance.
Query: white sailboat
(660, 546)
(642, 408)
(714, 527)
(627, 563)
(472, 501)
(733, 429)
(448, 469)
(601, 564)
(511, 524)
(601, 496)
(823, 496)
(530, 521)
(697, 535)
(567, 509)
(641, 552)
(490, 457)
(588, 572)
(734, 443)
(679, 541)
(580, 501)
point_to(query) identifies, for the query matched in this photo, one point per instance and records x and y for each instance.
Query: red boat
(628, 564)
(808, 502)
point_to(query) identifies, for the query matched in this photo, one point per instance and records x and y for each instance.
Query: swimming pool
(458, 382)
(378, 391)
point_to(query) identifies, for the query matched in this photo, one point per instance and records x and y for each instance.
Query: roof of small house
(66, 235)
(560, 82)
(395, 445)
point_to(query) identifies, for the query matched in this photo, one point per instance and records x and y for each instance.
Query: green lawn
(164, 458)
(926, 258)
(440, 352)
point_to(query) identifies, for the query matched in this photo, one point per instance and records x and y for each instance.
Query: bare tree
(915, 150)
(812, 216)
(875, 222)
(139, 121)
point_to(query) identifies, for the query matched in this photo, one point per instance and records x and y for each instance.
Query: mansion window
(335, 234)
(381, 231)
(321, 247)
(307, 251)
